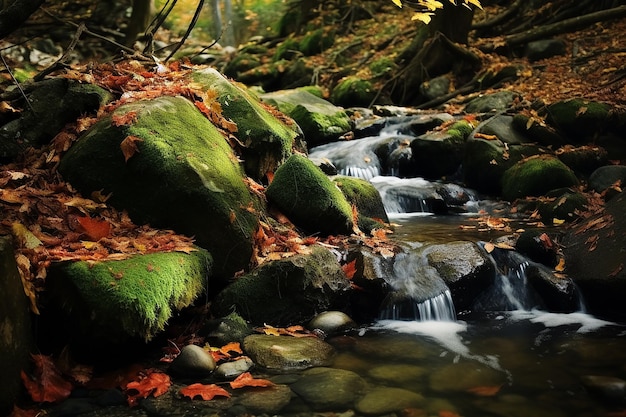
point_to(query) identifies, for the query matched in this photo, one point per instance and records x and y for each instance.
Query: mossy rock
(353, 92)
(267, 75)
(241, 63)
(583, 160)
(267, 140)
(382, 66)
(579, 119)
(535, 176)
(120, 300)
(538, 132)
(287, 49)
(485, 161)
(183, 176)
(366, 198)
(460, 130)
(315, 42)
(286, 291)
(320, 121)
(437, 154)
(564, 204)
(302, 192)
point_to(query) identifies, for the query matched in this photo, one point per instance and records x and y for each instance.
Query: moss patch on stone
(363, 195)
(536, 175)
(134, 297)
(579, 119)
(309, 198)
(353, 91)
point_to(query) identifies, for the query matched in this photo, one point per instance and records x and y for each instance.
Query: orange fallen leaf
(349, 269)
(560, 266)
(489, 247)
(124, 119)
(231, 347)
(129, 146)
(485, 391)
(247, 380)
(94, 229)
(46, 384)
(447, 413)
(206, 392)
(154, 383)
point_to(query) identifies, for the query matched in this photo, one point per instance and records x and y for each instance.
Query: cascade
(439, 308)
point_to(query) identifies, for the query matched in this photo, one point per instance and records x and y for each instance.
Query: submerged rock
(382, 400)
(284, 354)
(329, 389)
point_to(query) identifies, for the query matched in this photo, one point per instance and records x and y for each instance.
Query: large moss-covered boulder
(436, 154)
(15, 328)
(353, 92)
(267, 140)
(286, 291)
(366, 198)
(579, 119)
(535, 176)
(302, 192)
(183, 175)
(321, 121)
(112, 302)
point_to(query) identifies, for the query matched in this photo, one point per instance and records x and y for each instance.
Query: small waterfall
(418, 292)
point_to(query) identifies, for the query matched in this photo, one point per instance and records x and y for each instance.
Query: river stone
(265, 401)
(381, 400)
(192, 361)
(15, 328)
(435, 87)
(283, 353)
(583, 160)
(232, 369)
(535, 176)
(183, 176)
(397, 374)
(465, 268)
(302, 192)
(579, 119)
(367, 200)
(607, 388)
(329, 389)
(286, 291)
(503, 128)
(267, 141)
(320, 121)
(331, 322)
(394, 345)
(539, 132)
(437, 154)
(499, 101)
(462, 376)
(544, 48)
(606, 176)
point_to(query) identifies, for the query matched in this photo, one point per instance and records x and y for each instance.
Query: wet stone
(328, 388)
(265, 400)
(231, 370)
(282, 353)
(331, 322)
(606, 388)
(381, 400)
(193, 361)
(397, 374)
(465, 376)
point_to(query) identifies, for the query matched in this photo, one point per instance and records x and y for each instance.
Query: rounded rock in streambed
(231, 370)
(331, 322)
(193, 361)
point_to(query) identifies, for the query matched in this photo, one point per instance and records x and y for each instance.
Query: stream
(508, 361)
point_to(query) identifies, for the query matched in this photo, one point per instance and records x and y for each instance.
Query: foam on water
(586, 323)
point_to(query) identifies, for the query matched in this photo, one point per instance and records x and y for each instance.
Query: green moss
(288, 49)
(353, 91)
(313, 89)
(268, 141)
(136, 295)
(381, 66)
(579, 118)
(535, 176)
(309, 198)
(460, 130)
(363, 195)
(315, 42)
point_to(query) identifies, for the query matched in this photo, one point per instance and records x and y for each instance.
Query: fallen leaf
(546, 241)
(154, 383)
(95, 229)
(560, 266)
(448, 413)
(489, 247)
(247, 380)
(25, 237)
(206, 392)
(617, 270)
(124, 119)
(47, 384)
(129, 146)
(485, 391)
(349, 269)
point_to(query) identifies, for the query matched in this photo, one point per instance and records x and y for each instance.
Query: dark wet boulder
(320, 121)
(437, 154)
(267, 140)
(537, 131)
(495, 102)
(52, 104)
(544, 48)
(183, 175)
(16, 338)
(503, 127)
(536, 175)
(465, 268)
(607, 176)
(538, 246)
(556, 291)
(562, 204)
(595, 259)
(302, 192)
(583, 160)
(286, 291)
(580, 120)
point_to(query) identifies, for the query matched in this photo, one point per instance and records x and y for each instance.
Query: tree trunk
(216, 12)
(139, 19)
(229, 30)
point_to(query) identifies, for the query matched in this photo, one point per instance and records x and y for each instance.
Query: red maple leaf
(206, 392)
(152, 383)
(247, 380)
(47, 384)
(94, 229)
(349, 269)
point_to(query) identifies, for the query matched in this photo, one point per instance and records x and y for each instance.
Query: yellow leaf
(422, 17)
(557, 222)
(475, 3)
(561, 265)
(489, 247)
(24, 236)
(397, 3)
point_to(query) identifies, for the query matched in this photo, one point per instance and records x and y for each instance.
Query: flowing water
(505, 359)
